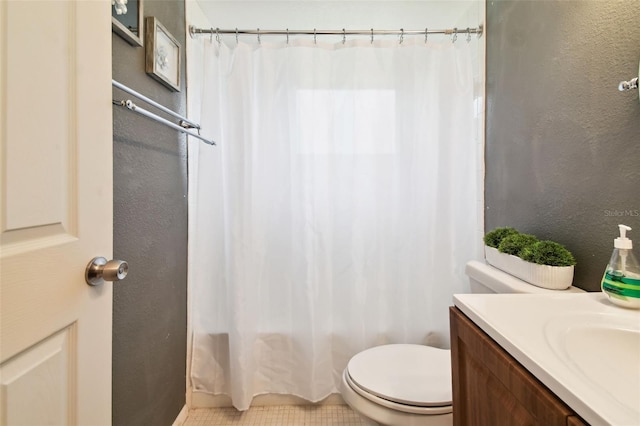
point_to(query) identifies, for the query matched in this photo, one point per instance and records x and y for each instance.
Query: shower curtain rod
(193, 31)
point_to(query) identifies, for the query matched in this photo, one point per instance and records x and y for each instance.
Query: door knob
(99, 270)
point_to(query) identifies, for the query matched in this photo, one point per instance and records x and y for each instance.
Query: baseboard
(205, 400)
(182, 417)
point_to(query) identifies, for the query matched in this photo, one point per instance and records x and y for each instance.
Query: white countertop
(530, 327)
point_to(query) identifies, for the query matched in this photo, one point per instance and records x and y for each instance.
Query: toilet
(408, 384)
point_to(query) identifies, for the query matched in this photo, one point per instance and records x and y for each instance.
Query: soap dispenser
(621, 280)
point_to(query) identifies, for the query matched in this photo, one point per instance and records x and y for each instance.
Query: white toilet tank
(485, 278)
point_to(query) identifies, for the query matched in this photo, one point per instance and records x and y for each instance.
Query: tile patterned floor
(291, 415)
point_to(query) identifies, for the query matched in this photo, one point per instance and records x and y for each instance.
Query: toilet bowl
(400, 384)
(406, 384)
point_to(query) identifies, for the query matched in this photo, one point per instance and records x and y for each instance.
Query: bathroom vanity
(542, 360)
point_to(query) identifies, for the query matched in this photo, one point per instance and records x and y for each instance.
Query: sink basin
(603, 350)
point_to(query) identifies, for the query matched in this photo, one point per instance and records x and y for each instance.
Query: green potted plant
(545, 264)
(495, 237)
(547, 253)
(515, 243)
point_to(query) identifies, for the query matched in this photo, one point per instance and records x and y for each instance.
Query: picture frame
(162, 54)
(129, 25)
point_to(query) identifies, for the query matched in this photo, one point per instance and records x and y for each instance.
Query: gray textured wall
(562, 144)
(150, 232)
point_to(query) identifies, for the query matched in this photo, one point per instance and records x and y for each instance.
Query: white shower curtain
(336, 213)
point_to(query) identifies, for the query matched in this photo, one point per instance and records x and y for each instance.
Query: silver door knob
(99, 270)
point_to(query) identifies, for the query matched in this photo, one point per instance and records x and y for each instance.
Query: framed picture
(162, 54)
(126, 21)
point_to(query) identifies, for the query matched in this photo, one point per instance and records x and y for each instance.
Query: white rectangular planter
(545, 276)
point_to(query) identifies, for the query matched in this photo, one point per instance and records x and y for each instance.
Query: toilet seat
(409, 378)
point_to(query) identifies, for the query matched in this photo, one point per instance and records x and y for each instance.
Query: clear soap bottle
(621, 280)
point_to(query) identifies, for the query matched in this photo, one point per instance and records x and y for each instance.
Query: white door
(55, 211)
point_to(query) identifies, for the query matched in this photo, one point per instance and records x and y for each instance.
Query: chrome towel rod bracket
(628, 85)
(631, 84)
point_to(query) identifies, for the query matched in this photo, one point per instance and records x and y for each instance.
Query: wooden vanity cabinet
(490, 388)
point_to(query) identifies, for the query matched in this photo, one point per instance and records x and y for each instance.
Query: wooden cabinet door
(491, 388)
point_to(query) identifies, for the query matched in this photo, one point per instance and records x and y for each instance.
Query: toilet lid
(407, 374)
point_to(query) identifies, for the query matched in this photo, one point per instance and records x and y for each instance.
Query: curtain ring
(455, 35)
(259, 42)
(211, 35)
(468, 34)
(315, 40)
(236, 35)
(371, 35)
(401, 35)
(426, 34)
(218, 35)
(287, 35)
(344, 36)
